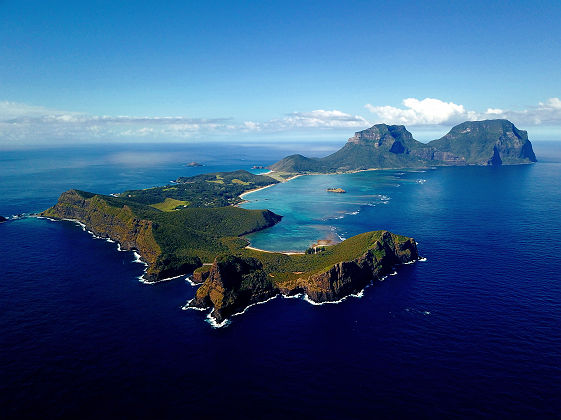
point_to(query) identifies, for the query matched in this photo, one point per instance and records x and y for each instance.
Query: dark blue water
(473, 331)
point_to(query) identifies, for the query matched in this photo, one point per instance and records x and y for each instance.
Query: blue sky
(192, 71)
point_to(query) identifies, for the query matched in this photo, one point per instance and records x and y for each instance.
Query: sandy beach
(273, 252)
(242, 195)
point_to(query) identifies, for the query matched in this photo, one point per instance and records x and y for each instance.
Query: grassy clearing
(240, 182)
(169, 204)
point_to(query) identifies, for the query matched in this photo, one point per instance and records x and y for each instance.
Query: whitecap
(186, 307)
(214, 324)
(358, 295)
(296, 296)
(423, 259)
(48, 218)
(138, 259)
(191, 282)
(142, 280)
(227, 321)
(83, 226)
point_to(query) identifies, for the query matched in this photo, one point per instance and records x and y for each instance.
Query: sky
(269, 71)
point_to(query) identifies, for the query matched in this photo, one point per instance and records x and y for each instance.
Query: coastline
(274, 252)
(254, 190)
(242, 195)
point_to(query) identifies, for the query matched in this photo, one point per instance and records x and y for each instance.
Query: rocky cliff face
(490, 142)
(117, 223)
(236, 282)
(232, 285)
(395, 138)
(350, 277)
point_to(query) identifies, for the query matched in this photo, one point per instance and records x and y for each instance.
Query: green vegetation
(170, 204)
(175, 239)
(283, 267)
(178, 241)
(490, 142)
(206, 190)
(239, 181)
(487, 142)
(219, 180)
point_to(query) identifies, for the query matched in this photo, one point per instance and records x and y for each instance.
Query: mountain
(490, 142)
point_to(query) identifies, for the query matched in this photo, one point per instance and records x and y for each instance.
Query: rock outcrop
(201, 274)
(233, 284)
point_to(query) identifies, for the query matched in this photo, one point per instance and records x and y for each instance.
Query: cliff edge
(236, 281)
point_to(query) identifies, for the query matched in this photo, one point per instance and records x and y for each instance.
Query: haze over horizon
(220, 71)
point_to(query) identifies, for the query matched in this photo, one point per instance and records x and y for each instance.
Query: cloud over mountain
(431, 111)
(22, 123)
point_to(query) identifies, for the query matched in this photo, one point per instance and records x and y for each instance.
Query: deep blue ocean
(474, 331)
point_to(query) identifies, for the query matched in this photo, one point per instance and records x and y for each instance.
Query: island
(194, 164)
(194, 227)
(336, 190)
(489, 142)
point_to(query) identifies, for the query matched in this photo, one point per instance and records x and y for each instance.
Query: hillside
(246, 277)
(490, 142)
(171, 243)
(178, 241)
(206, 190)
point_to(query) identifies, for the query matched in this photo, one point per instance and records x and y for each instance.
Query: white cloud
(431, 112)
(318, 119)
(428, 111)
(27, 124)
(21, 123)
(494, 111)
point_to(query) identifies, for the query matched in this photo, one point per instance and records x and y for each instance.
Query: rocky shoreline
(233, 282)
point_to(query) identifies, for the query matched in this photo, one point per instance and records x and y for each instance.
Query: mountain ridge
(383, 146)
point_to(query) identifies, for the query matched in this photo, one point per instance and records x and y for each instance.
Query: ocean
(473, 331)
